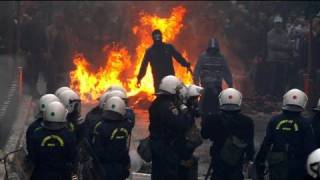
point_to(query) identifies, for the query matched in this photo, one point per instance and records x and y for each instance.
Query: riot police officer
(232, 135)
(110, 140)
(288, 141)
(159, 55)
(211, 69)
(168, 124)
(52, 148)
(94, 115)
(72, 103)
(316, 123)
(188, 169)
(44, 101)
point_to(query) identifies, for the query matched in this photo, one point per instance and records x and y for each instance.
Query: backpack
(233, 149)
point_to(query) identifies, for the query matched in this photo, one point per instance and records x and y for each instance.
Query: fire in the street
(90, 85)
(120, 68)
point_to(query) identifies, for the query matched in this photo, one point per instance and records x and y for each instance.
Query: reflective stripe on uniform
(71, 127)
(115, 136)
(95, 132)
(37, 129)
(287, 122)
(96, 127)
(52, 137)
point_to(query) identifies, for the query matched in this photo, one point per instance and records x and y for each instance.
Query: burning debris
(122, 67)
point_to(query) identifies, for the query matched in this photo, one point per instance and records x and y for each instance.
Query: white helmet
(318, 106)
(69, 98)
(115, 104)
(294, 100)
(111, 94)
(194, 90)
(47, 99)
(277, 19)
(170, 84)
(313, 164)
(55, 112)
(230, 99)
(118, 88)
(60, 90)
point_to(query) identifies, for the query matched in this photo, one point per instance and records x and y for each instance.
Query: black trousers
(209, 102)
(165, 163)
(35, 64)
(279, 74)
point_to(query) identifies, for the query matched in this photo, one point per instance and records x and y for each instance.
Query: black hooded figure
(159, 55)
(211, 69)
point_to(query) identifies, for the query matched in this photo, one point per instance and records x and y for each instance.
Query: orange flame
(119, 70)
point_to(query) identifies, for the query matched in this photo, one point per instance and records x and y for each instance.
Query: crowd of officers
(62, 145)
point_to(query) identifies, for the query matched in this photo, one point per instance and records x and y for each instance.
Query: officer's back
(288, 141)
(166, 121)
(218, 127)
(110, 140)
(52, 147)
(288, 131)
(232, 135)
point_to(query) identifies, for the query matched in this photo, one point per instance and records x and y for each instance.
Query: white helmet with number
(60, 90)
(115, 104)
(295, 100)
(170, 84)
(69, 98)
(111, 94)
(194, 91)
(117, 88)
(318, 106)
(47, 99)
(230, 99)
(313, 164)
(55, 112)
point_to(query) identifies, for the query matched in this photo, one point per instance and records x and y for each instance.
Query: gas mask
(74, 109)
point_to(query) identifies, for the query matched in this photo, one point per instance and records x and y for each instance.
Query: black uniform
(110, 146)
(54, 154)
(211, 69)
(92, 118)
(160, 58)
(316, 128)
(288, 141)
(188, 169)
(232, 136)
(34, 126)
(167, 128)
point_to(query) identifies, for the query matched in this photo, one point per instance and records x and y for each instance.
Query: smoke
(136, 161)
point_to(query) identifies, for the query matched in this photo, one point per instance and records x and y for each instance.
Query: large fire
(120, 68)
